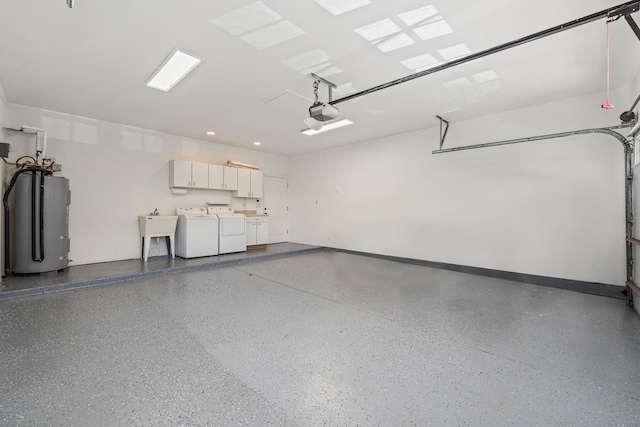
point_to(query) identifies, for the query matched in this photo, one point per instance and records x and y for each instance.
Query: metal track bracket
(443, 136)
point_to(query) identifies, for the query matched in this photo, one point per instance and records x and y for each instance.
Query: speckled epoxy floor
(322, 338)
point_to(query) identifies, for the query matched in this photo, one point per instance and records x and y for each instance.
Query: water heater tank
(41, 224)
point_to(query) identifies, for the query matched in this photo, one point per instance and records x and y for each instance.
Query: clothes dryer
(232, 230)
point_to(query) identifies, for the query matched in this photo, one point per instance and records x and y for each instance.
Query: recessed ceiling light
(257, 143)
(328, 126)
(173, 69)
(211, 133)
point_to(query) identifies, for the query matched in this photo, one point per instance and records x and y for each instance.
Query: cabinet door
(256, 184)
(199, 175)
(216, 177)
(244, 183)
(230, 178)
(262, 232)
(251, 233)
(179, 173)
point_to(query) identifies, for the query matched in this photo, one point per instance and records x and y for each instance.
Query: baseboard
(593, 288)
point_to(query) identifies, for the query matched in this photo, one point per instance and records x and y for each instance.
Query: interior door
(276, 206)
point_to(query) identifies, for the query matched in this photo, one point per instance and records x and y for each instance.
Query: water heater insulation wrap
(55, 221)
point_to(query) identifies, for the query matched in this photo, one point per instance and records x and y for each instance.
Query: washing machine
(232, 230)
(196, 233)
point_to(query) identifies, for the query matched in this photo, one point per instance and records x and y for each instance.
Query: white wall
(117, 172)
(552, 208)
(3, 123)
(634, 92)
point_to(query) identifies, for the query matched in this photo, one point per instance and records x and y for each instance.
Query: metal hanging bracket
(319, 79)
(446, 129)
(320, 112)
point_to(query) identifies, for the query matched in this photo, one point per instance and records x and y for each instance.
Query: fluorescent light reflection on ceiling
(307, 60)
(328, 127)
(431, 31)
(315, 61)
(421, 62)
(454, 52)
(458, 84)
(485, 76)
(247, 18)
(386, 35)
(418, 16)
(396, 42)
(258, 25)
(173, 69)
(272, 35)
(378, 30)
(338, 7)
(488, 81)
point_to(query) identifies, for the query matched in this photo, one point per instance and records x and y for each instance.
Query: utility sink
(157, 226)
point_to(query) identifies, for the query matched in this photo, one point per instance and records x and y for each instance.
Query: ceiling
(93, 61)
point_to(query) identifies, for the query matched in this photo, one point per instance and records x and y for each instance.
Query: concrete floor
(82, 276)
(319, 338)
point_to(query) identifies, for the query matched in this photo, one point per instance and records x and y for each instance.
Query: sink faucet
(155, 212)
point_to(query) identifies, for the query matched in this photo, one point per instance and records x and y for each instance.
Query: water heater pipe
(41, 140)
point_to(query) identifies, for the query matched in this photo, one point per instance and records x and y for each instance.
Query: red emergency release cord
(607, 106)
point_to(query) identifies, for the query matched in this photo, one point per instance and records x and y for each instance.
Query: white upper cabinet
(256, 183)
(199, 175)
(230, 178)
(186, 174)
(216, 177)
(179, 174)
(249, 183)
(223, 177)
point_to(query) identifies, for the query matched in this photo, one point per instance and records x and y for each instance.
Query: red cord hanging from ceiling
(607, 105)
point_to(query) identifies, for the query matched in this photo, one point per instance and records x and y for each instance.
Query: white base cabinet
(257, 230)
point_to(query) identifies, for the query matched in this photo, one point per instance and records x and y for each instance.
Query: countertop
(250, 213)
